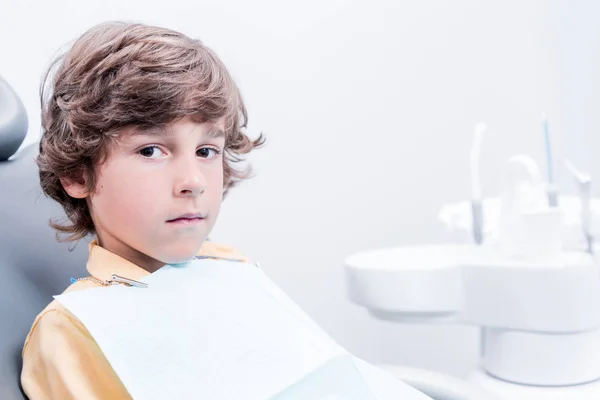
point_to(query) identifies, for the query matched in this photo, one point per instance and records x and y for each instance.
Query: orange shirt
(61, 360)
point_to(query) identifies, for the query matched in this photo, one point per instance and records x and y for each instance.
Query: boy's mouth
(187, 219)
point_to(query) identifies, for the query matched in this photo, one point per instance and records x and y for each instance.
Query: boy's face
(158, 194)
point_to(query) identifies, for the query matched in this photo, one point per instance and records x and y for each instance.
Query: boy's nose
(189, 187)
(190, 183)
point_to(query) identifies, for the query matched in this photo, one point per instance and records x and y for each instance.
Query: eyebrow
(154, 130)
(213, 132)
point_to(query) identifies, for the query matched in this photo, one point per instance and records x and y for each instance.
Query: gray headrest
(13, 121)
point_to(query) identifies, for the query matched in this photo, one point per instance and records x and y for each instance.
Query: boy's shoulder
(55, 316)
(55, 306)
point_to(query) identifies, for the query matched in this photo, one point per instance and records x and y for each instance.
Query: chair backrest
(33, 265)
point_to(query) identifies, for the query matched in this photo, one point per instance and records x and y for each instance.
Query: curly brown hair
(118, 75)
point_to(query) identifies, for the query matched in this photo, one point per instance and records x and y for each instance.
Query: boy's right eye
(151, 152)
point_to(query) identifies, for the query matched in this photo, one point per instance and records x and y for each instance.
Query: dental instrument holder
(537, 302)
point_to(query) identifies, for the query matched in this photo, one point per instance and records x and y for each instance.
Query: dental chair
(33, 265)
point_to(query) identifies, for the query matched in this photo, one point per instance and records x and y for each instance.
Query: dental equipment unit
(535, 295)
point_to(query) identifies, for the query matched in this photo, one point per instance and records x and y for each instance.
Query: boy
(141, 128)
(140, 131)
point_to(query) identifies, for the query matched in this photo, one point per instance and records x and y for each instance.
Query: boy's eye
(205, 152)
(151, 152)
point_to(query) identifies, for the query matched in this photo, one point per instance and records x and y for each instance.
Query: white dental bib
(213, 329)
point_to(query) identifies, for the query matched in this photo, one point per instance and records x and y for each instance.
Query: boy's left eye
(204, 152)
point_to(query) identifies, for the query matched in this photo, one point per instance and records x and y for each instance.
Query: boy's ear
(75, 188)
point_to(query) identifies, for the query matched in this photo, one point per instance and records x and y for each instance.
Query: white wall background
(368, 108)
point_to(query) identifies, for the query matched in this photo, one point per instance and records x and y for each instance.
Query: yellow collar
(103, 263)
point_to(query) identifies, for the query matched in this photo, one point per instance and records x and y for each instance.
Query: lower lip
(186, 221)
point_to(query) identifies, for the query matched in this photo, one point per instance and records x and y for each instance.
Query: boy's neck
(130, 254)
